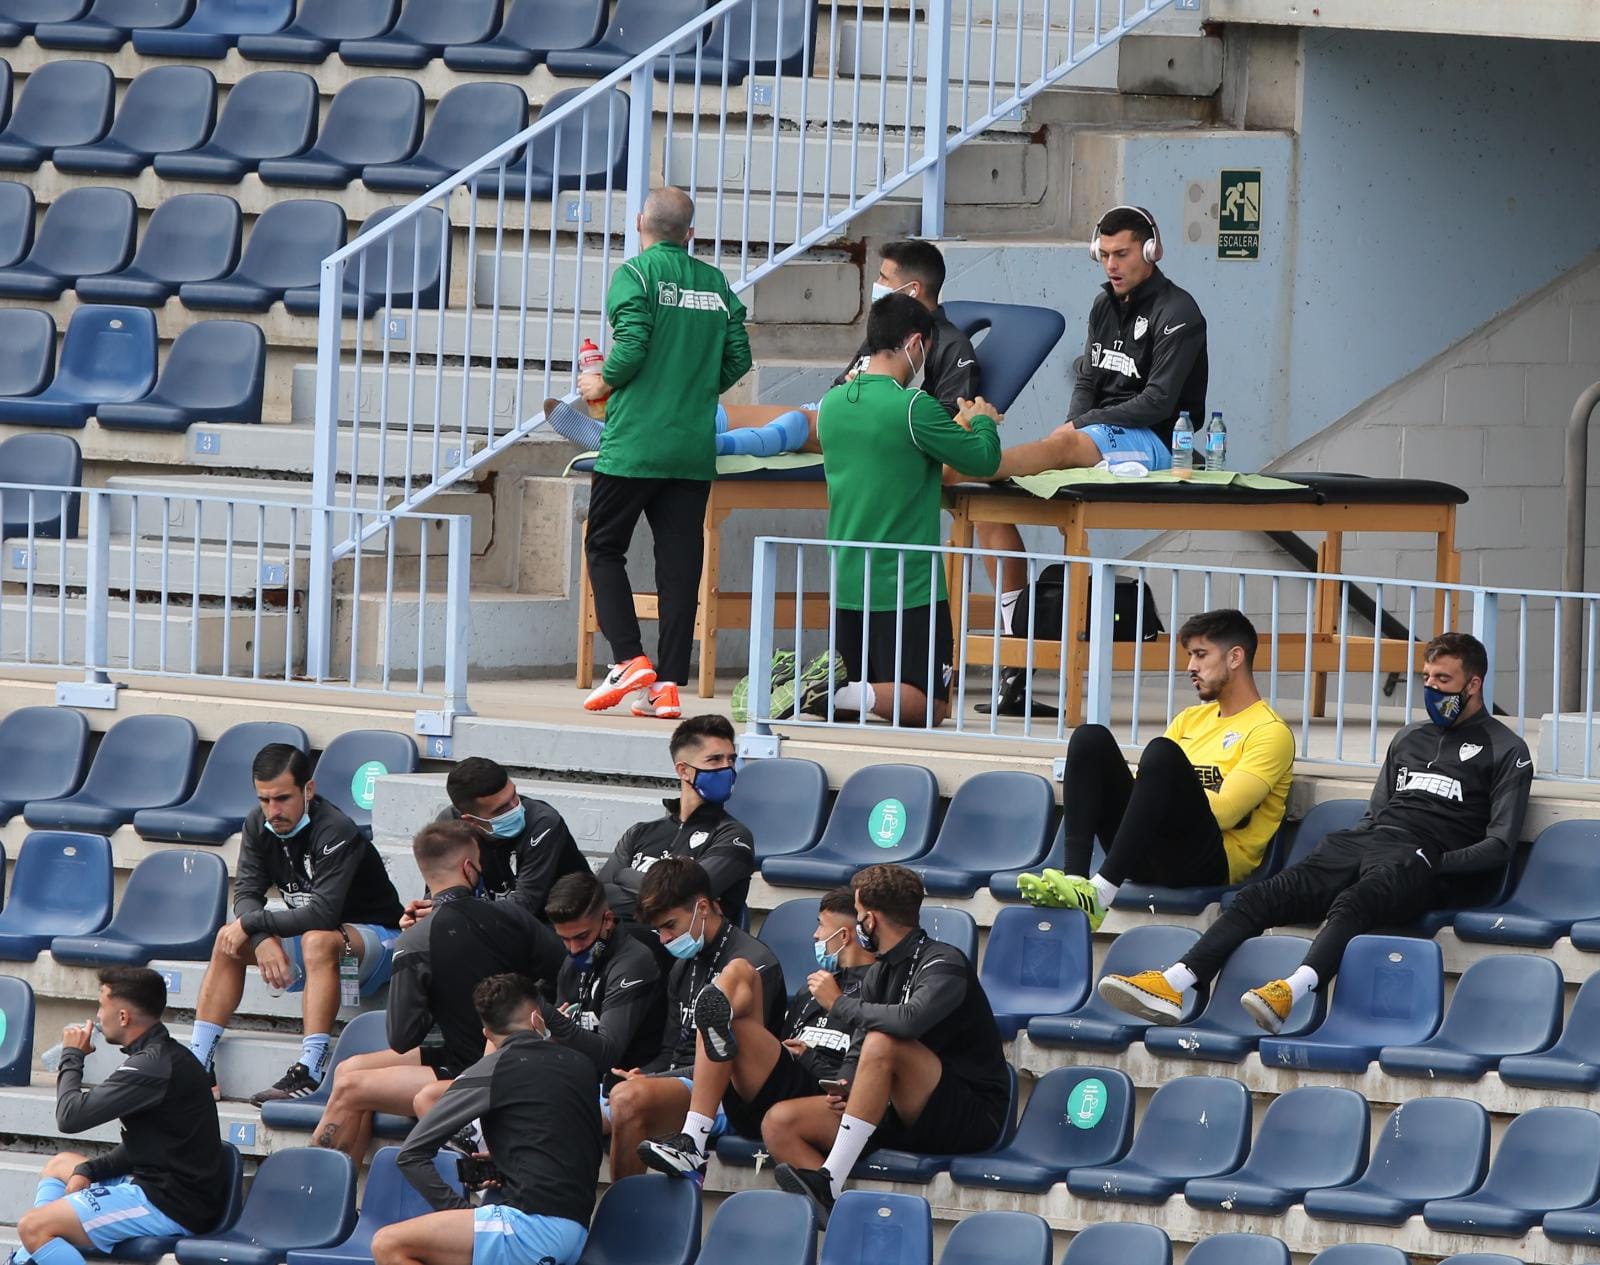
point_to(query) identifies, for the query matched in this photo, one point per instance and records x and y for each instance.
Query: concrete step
(30, 1112)
(436, 395)
(510, 631)
(238, 575)
(52, 632)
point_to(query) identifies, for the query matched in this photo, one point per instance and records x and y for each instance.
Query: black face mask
(868, 940)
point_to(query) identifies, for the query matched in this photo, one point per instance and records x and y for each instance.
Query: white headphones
(1152, 249)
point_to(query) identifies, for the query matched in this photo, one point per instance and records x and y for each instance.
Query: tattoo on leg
(329, 1132)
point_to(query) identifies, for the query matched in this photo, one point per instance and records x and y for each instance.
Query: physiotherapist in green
(678, 342)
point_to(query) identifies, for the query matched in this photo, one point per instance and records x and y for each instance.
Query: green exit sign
(1239, 215)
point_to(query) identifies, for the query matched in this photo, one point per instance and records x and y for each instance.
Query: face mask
(687, 946)
(714, 785)
(916, 370)
(868, 940)
(1443, 709)
(827, 961)
(881, 291)
(305, 820)
(581, 961)
(508, 825)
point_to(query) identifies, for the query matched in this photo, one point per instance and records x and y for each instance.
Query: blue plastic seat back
(85, 232)
(16, 1031)
(593, 145)
(365, 1034)
(435, 23)
(316, 1185)
(1324, 819)
(173, 896)
(997, 820)
(225, 788)
(540, 25)
(1559, 883)
(216, 370)
(16, 226)
(376, 119)
(410, 266)
(868, 1228)
(469, 121)
(1239, 1249)
(998, 1238)
(1121, 1242)
(43, 750)
(235, 17)
(1481, 1258)
(1078, 1117)
(347, 771)
(1360, 1254)
(1260, 958)
(6, 84)
(386, 1198)
(1313, 1135)
(63, 103)
(884, 813)
(60, 885)
(1548, 1157)
(166, 109)
(785, 30)
(144, 761)
(130, 15)
(1195, 1125)
(269, 114)
(288, 243)
(29, 13)
(1003, 883)
(641, 1221)
(328, 22)
(784, 803)
(1389, 991)
(769, 1226)
(40, 460)
(1037, 962)
(1430, 1148)
(107, 354)
(1580, 1037)
(952, 926)
(1016, 344)
(788, 932)
(192, 237)
(1506, 1004)
(635, 26)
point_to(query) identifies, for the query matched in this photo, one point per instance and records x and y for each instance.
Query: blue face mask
(1443, 709)
(305, 820)
(827, 961)
(686, 946)
(714, 785)
(508, 825)
(580, 961)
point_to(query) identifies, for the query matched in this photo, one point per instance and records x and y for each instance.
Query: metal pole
(457, 616)
(324, 470)
(640, 118)
(936, 118)
(1102, 622)
(1576, 484)
(97, 590)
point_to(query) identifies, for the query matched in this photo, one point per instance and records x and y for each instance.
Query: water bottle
(1183, 446)
(1216, 443)
(50, 1060)
(591, 360)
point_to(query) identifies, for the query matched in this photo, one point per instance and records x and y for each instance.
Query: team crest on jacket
(1140, 324)
(698, 838)
(1469, 749)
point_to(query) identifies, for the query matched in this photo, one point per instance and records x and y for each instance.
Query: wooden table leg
(957, 575)
(1075, 654)
(1330, 561)
(710, 590)
(586, 615)
(1446, 565)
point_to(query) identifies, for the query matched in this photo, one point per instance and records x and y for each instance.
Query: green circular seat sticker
(1087, 1103)
(364, 785)
(886, 823)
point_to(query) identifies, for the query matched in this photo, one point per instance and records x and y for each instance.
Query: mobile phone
(837, 1087)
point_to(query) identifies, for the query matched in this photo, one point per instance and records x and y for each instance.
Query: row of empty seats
(572, 37)
(373, 131)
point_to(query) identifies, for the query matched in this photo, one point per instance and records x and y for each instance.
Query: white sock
(204, 1040)
(314, 1053)
(848, 1145)
(699, 1128)
(855, 696)
(1105, 889)
(1008, 606)
(1180, 977)
(1303, 981)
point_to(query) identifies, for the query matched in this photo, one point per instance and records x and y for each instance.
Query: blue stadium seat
(192, 237)
(283, 254)
(1586, 935)
(173, 905)
(532, 29)
(594, 148)
(85, 232)
(868, 1228)
(346, 769)
(769, 1226)
(1098, 1026)
(27, 361)
(1548, 1159)
(1389, 991)
(166, 110)
(270, 114)
(788, 932)
(886, 812)
(1155, 898)
(1481, 1258)
(1038, 962)
(469, 121)
(41, 460)
(1360, 1254)
(783, 802)
(43, 752)
(319, 28)
(225, 794)
(373, 120)
(1195, 1126)
(108, 354)
(386, 1198)
(215, 372)
(1238, 1249)
(1295, 843)
(786, 30)
(1429, 1148)
(1560, 885)
(6, 84)
(635, 26)
(889, 1165)
(63, 103)
(214, 27)
(150, 1248)
(108, 24)
(1098, 1102)
(1225, 1032)
(317, 1186)
(1311, 1137)
(18, 18)
(425, 28)
(1504, 1005)
(1119, 1243)
(998, 817)
(1573, 1062)
(998, 1238)
(364, 1034)
(60, 886)
(143, 762)
(641, 1221)
(16, 224)
(412, 271)
(1003, 885)
(1018, 340)
(16, 1031)
(953, 926)
(1574, 1225)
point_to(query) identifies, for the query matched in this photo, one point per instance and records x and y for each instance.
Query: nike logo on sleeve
(1173, 329)
(1522, 764)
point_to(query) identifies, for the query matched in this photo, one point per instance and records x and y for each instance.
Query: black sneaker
(1014, 700)
(675, 1155)
(816, 1184)
(713, 1018)
(295, 1083)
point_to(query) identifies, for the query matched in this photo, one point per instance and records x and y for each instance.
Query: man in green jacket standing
(677, 342)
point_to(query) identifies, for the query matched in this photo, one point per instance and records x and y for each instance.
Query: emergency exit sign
(1239, 215)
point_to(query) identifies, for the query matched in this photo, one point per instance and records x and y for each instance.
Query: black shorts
(438, 1058)
(789, 1078)
(911, 631)
(959, 1119)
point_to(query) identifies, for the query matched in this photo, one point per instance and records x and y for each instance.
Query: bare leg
(427, 1096)
(758, 1052)
(1003, 538)
(893, 1070)
(801, 1130)
(913, 705)
(56, 1219)
(641, 1108)
(365, 1084)
(439, 1238)
(321, 951)
(222, 986)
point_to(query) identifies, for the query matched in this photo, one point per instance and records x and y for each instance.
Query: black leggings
(1156, 828)
(1358, 880)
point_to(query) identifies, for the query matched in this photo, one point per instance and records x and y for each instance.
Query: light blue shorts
(376, 957)
(718, 1127)
(506, 1236)
(1129, 443)
(113, 1211)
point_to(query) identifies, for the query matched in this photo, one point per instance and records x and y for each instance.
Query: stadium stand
(362, 1035)
(16, 1042)
(1123, 1241)
(319, 27)
(86, 232)
(892, 1229)
(16, 228)
(193, 237)
(467, 123)
(1557, 888)
(996, 818)
(1548, 1159)
(214, 27)
(216, 371)
(349, 765)
(416, 276)
(372, 121)
(270, 114)
(769, 1225)
(1037, 962)
(44, 753)
(905, 799)
(283, 255)
(108, 355)
(1239, 1249)
(643, 1221)
(37, 461)
(386, 1197)
(531, 31)
(320, 1185)
(224, 795)
(423, 31)
(1096, 1025)
(62, 105)
(166, 110)
(171, 908)
(61, 884)
(1573, 1062)
(143, 762)
(990, 1238)
(635, 26)
(109, 24)
(27, 363)
(784, 803)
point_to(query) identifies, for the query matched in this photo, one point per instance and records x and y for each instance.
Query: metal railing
(445, 328)
(214, 587)
(1319, 663)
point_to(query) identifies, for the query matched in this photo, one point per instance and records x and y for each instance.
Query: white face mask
(881, 291)
(916, 370)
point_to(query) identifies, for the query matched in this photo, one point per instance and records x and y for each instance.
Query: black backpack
(1046, 597)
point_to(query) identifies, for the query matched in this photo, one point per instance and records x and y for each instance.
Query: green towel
(742, 464)
(1050, 482)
